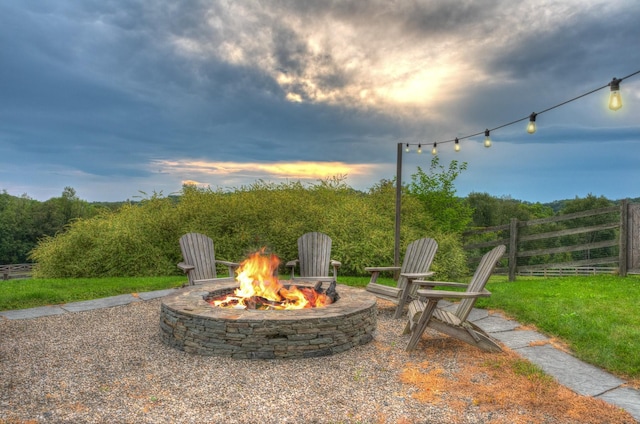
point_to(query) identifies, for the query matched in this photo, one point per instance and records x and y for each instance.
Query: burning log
(330, 292)
(258, 302)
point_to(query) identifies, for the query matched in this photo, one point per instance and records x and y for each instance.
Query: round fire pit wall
(189, 323)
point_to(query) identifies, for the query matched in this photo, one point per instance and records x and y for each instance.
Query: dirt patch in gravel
(504, 387)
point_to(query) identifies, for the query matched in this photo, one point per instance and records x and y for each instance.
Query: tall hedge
(142, 239)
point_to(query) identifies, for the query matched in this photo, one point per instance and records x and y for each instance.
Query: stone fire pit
(189, 323)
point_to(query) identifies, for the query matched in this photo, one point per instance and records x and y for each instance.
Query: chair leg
(405, 295)
(421, 325)
(399, 308)
(415, 311)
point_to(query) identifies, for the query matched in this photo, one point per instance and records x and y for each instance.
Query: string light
(531, 126)
(419, 148)
(615, 103)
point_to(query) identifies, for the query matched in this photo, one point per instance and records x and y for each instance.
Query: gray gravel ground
(109, 366)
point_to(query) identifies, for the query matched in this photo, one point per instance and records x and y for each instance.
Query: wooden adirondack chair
(314, 259)
(199, 260)
(415, 265)
(423, 312)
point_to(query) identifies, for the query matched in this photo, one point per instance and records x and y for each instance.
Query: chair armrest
(442, 294)
(232, 266)
(376, 270)
(292, 264)
(415, 275)
(335, 265)
(382, 268)
(439, 283)
(185, 267)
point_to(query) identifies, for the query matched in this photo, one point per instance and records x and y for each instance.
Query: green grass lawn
(22, 294)
(597, 316)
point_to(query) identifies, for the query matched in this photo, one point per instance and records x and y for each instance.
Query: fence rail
(581, 243)
(12, 271)
(564, 272)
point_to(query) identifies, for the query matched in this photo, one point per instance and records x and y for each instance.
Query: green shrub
(134, 241)
(142, 239)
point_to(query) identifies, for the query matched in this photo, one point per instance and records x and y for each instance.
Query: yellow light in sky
(297, 170)
(531, 126)
(294, 97)
(615, 100)
(416, 88)
(342, 65)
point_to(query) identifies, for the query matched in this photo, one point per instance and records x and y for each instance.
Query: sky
(120, 99)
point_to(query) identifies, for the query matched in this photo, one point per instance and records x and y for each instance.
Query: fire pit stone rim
(191, 324)
(192, 301)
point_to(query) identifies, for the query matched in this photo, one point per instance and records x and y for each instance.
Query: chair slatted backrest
(417, 258)
(480, 277)
(314, 254)
(197, 250)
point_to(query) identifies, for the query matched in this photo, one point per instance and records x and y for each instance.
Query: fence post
(624, 237)
(396, 247)
(513, 248)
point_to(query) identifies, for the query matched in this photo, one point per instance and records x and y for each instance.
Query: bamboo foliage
(142, 239)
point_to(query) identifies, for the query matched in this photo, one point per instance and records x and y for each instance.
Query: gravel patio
(110, 366)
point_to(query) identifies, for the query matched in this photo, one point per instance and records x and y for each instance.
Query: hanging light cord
(537, 113)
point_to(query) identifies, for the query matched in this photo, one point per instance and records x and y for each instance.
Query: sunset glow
(277, 170)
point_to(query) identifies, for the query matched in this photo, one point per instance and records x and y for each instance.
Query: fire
(261, 289)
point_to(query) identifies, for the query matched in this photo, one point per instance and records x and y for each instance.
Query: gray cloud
(103, 88)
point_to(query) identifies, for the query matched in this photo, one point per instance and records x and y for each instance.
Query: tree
(436, 191)
(16, 238)
(588, 203)
(490, 211)
(24, 221)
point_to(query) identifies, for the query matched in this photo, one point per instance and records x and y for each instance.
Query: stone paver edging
(582, 378)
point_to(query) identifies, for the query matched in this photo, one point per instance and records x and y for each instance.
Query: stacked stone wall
(189, 323)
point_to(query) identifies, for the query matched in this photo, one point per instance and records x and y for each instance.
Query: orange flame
(257, 278)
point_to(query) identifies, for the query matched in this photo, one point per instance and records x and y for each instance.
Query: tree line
(70, 237)
(24, 221)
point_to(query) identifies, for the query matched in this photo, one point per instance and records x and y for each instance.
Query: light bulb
(419, 148)
(487, 139)
(456, 147)
(434, 151)
(407, 149)
(615, 101)
(531, 127)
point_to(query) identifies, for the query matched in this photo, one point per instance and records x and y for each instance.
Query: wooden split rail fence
(16, 271)
(604, 240)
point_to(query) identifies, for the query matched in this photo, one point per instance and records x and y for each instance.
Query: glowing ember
(260, 288)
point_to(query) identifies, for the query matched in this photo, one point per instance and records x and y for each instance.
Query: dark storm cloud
(550, 64)
(594, 36)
